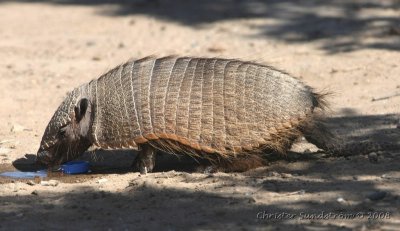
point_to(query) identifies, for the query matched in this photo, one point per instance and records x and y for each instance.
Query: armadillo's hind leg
(319, 135)
(145, 159)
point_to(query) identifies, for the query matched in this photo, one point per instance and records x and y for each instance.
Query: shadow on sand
(157, 207)
(341, 25)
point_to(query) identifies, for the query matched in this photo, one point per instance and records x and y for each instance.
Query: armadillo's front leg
(145, 159)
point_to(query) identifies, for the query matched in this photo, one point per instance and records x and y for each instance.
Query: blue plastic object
(75, 167)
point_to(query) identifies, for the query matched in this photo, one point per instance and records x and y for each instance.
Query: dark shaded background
(299, 20)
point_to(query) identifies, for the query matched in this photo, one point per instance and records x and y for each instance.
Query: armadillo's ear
(81, 108)
(83, 116)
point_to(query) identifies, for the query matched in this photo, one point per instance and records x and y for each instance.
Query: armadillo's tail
(319, 99)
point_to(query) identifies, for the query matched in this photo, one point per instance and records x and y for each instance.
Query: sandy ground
(348, 47)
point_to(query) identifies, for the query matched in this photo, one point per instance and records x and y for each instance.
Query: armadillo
(225, 110)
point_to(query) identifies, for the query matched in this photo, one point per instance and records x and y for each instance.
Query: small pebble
(132, 22)
(378, 195)
(394, 30)
(301, 192)
(373, 157)
(273, 173)
(17, 128)
(286, 175)
(194, 44)
(90, 43)
(121, 45)
(101, 181)
(96, 58)
(4, 150)
(4, 141)
(37, 179)
(35, 192)
(385, 176)
(216, 49)
(30, 182)
(340, 200)
(53, 183)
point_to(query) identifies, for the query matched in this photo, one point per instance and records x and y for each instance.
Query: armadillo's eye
(61, 133)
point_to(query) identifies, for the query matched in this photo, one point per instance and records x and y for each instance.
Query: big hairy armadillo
(224, 110)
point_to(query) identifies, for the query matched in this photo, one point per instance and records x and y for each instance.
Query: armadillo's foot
(145, 160)
(207, 169)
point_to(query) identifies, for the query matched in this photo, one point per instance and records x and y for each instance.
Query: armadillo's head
(68, 133)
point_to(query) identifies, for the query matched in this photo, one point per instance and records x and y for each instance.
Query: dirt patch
(286, 193)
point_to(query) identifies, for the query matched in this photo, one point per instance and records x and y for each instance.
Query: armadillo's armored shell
(212, 105)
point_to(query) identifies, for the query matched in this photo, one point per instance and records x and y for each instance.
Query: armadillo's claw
(210, 169)
(145, 159)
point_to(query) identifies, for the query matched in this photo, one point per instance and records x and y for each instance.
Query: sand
(350, 48)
